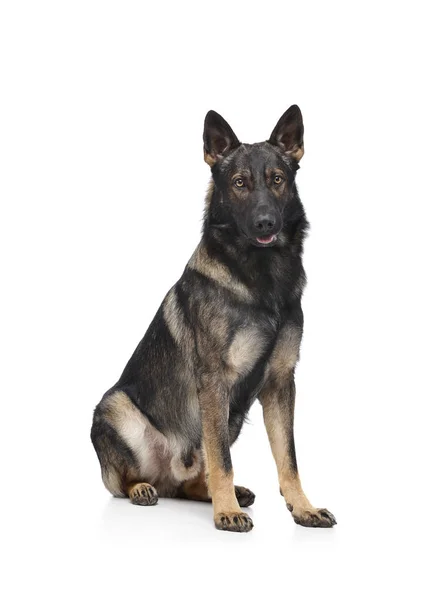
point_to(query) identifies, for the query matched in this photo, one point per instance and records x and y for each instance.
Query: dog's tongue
(266, 240)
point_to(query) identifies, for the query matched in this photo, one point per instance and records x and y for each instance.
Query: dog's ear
(288, 133)
(218, 138)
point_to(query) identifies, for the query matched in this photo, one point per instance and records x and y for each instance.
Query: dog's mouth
(266, 240)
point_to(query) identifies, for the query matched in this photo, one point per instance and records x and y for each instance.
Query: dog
(227, 332)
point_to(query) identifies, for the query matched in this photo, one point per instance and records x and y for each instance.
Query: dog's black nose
(265, 223)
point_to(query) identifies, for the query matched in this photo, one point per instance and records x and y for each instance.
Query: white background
(102, 185)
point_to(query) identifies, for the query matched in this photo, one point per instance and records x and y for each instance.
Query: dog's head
(254, 182)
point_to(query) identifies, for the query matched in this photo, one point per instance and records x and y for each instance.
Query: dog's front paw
(312, 517)
(233, 521)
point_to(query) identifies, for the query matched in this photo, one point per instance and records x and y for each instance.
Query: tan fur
(217, 271)
(227, 512)
(246, 347)
(297, 152)
(221, 488)
(209, 193)
(220, 482)
(286, 352)
(196, 489)
(209, 159)
(288, 480)
(174, 318)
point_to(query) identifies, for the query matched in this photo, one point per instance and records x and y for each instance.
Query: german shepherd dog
(227, 332)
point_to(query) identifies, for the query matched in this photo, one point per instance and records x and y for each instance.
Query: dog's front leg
(277, 399)
(214, 405)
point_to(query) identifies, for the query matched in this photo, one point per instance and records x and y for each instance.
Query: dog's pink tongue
(265, 240)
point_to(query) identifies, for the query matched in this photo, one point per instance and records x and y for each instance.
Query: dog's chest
(251, 344)
(248, 345)
(264, 349)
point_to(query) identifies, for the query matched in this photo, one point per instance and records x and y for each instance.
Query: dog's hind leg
(115, 457)
(197, 489)
(133, 455)
(118, 467)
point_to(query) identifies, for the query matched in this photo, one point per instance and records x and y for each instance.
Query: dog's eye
(239, 183)
(277, 179)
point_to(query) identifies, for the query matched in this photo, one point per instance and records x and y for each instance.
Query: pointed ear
(288, 133)
(218, 138)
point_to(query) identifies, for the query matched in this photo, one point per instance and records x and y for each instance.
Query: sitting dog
(227, 332)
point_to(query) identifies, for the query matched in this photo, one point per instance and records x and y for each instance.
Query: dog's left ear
(288, 133)
(218, 138)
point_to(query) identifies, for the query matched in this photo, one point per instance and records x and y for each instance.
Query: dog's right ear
(218, 138)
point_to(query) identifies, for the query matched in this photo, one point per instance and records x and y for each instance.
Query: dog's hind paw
(143, 494)
(244, 496)
(233, 521)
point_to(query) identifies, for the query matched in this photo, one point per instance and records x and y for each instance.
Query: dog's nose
(265, 223)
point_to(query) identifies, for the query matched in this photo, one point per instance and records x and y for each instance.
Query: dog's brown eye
(239, 182)
(277, 179)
